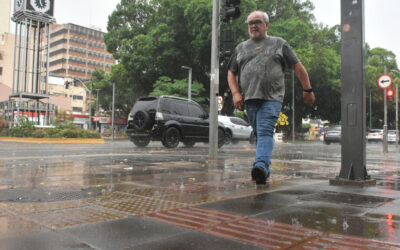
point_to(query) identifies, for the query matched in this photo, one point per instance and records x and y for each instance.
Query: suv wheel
(141, 121)
(171, 137)
(189, 142)
(141, 142)
(221, 137)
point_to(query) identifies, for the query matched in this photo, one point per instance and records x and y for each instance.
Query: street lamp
(189, 81)
(90, 98)
(397, 110)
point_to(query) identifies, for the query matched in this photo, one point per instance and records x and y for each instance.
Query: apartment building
(75, 51)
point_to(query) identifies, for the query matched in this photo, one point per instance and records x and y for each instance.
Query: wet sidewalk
(116, 196)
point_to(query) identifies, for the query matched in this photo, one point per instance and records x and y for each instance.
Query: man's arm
(302, 75)
(233, 85)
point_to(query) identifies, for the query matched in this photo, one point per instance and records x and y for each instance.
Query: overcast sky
(381, 17)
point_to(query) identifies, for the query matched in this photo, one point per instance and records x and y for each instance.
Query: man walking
(258, 64)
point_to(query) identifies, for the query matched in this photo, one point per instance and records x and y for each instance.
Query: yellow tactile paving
(74, 216)
(141, 205)
(12, 226)
(37, 207)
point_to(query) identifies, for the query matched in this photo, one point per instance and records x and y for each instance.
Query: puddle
(346, 198)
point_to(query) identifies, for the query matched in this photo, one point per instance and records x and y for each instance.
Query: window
(195, 111)
(1, 71)
(1, 55)
(77, 109)
(238, 121)
(77, 97)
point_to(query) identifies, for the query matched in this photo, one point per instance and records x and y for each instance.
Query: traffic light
(389, 95)
(67, 83)
(228, 40)
(230, 10)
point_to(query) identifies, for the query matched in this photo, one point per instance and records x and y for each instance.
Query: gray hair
(266, 18)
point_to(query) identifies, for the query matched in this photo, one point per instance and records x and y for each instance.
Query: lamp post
(293, 123)
(97, 107)
(397, 110)
(90, 99)
(189, 81)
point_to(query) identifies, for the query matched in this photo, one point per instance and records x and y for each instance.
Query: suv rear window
(147, 104)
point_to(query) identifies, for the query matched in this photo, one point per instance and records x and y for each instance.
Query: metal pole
(397, 116)
(214, 84)
(189, 81)
(190, 85)
(385, 144)
(113, 110)
(370, 110)
(90, 110)
(293, 119)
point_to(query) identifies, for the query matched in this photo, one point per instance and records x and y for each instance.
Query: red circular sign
(384, 81)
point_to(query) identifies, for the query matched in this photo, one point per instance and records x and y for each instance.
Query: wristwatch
(308, 90)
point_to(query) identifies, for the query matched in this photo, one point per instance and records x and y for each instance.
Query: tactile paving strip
(262, 233)
(141, 205)
(26, 208)
(74, 216)
(12, 226)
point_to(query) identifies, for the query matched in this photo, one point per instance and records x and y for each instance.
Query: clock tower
(31, 60)
(39, 6)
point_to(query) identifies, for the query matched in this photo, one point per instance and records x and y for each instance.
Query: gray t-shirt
(260, 67)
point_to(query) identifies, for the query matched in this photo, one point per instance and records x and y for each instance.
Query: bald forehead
(256, 15)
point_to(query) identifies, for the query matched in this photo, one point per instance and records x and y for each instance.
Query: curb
(53, 140)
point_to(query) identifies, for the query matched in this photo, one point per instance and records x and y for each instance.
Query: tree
(179, 88)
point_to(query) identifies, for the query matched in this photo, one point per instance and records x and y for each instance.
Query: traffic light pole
(353, 170)
(385, 142)
(214, 84)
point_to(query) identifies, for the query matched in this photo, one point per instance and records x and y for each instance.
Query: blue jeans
(263, 116)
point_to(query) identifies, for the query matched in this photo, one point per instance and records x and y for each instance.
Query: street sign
(384, 81)
(220, 99)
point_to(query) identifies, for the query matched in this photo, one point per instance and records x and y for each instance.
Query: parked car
(391, 137)
(375, 135)
(236, 129)
(170, 120)
(333, 134)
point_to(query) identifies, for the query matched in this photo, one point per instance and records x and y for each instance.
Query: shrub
(70, 133)
(63, 130)
(2, 123)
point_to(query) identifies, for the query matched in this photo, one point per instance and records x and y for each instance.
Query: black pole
(353, 109)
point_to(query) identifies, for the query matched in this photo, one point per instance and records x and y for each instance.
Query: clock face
(41, 5)
(19, 4)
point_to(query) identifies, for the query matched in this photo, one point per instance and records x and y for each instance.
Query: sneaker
(259, 175)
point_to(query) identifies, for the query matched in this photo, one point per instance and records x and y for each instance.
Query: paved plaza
(117, 196)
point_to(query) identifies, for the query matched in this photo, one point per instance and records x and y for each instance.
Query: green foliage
(179, 88)
(63, 130)
(153, 39)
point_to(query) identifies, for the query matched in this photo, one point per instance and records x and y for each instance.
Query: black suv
(169, 120)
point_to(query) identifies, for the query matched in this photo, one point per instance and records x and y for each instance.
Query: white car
(391, 136)
(375, 135)
(236, 128)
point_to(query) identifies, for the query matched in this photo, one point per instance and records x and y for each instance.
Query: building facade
(75, 51)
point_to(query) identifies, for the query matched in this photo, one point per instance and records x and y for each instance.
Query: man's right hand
(238, 101)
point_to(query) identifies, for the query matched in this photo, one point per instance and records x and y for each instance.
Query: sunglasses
(256, 22)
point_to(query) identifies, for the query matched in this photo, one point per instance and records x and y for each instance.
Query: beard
(256, 35)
